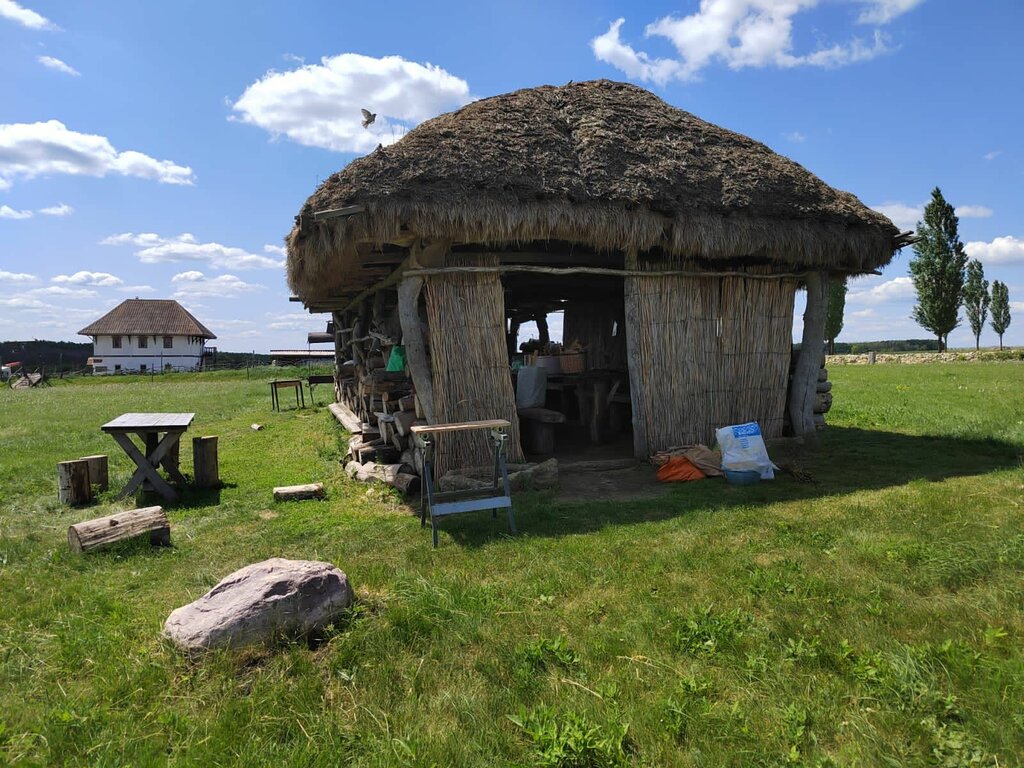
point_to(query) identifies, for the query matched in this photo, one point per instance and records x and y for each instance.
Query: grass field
(873, 617)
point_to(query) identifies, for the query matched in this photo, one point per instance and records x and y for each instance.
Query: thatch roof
(601, 164)
(148, 317)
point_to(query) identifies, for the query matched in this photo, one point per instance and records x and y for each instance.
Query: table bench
(159, 451)
(496, 496)
(278, 384)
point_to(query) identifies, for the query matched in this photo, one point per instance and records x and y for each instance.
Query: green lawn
(873, 617)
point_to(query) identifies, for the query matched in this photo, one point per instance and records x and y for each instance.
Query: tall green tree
(834, 311)
(976, 299)
(1000, 309)
(938, 269)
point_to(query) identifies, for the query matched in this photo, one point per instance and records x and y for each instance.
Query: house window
(116, 342)
(142, 368)
(168, 367)
(143, 342)
(117, 368)
(168, 342)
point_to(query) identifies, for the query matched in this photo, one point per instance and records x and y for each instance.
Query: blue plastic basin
(742, 476)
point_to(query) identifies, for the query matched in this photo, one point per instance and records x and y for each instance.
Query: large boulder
(262, 602)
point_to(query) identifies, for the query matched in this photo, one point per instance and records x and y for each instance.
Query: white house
(141, 335)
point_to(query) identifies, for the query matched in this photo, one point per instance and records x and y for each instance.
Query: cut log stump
(204, 462)
(73, 482)
(99, 476)
(299, 492)
(92, 534)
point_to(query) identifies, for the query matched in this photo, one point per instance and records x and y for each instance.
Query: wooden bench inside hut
(671, 250)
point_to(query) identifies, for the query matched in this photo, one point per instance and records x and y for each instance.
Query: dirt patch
(266, 514)
(639, 482)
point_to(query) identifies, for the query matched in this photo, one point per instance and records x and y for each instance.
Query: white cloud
(60, 290)
(16, 277)
(897, 289)
(1017, 306)
(292, 321)
(992, 155)
(34, 149)
(25, 16)
(193, 283)
(795, 136)
(56, 64)
(973, 212)
(63, 209)
(280, 250)
(1001, 250)
(6, 212)
(84, 277)
(902, 215)
(136, 289)
(318, 105)
(741, 33)
(156, 249)
(884, 11)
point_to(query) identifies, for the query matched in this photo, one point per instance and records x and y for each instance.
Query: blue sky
(162, 149)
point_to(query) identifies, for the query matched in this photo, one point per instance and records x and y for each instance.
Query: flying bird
(368, 117)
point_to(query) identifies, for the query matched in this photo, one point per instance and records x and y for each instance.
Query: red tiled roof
(159, 317)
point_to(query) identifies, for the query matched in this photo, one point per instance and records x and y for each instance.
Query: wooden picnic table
(159, 451)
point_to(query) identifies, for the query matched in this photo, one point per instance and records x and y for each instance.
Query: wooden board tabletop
(461, 426)
(154, 422)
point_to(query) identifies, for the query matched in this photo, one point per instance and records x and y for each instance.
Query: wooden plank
(92, 534)
(460, 426)
(130, 422)
(345, 417)
(298, 492)
(336, 213)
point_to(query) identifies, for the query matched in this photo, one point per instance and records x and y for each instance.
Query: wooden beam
(804, 385)
(628, 272)
(337, 213)
(415, 348)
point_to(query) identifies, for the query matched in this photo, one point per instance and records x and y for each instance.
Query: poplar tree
(976, 299)
(834, 311)
(1000, 309)
(938, 269)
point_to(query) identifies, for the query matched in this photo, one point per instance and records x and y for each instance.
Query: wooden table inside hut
(159, 451)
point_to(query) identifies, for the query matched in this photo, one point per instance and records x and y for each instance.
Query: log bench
(92, 534)
(539, 429)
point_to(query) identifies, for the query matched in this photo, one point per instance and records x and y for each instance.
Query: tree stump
(298, 492)
(124, 525)
(98, 473)
(73, 482)
(204, 462)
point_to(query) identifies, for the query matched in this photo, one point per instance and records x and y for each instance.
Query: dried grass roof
(602, 164)
(156, 317)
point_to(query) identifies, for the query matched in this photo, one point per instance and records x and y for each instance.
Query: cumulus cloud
(84, 277)
(897, 289)
(34, 149)
(291, 321)
(973, 212)
(319, 105)
(57, 65)
(194, 283)
(63, 209)
(280, 250)
(157, 249)
(6, 212)
(16, 277)
(902, 215)
(25, 16)
(1001, 250)
(740, 34)
(60, 290)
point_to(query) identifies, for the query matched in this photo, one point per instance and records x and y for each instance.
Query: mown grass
(872, 617)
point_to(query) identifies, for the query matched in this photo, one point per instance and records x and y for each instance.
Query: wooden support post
(297, 492)
(99, 476)
(205, 468)
(73, 482)
(635, 333)
(415, 349)
(804, 385)
(543, 335)
(124, 525)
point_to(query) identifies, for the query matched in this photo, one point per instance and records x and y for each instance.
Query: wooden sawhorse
(275, 398)
(496, 496)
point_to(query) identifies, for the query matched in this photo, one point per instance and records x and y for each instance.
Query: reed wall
(706, 353)
(469, 362)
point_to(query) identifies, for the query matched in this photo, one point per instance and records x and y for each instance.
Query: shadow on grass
(847, 460)
(189, 497)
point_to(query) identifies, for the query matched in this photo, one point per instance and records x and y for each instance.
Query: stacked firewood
(822, 398)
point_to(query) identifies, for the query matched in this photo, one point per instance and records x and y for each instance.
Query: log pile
(822, 398)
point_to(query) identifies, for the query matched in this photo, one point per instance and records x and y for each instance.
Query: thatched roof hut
(596, 190)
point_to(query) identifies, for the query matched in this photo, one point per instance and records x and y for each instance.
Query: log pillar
(415, 348)
(803, 388)
(73, 482)
(205, 468)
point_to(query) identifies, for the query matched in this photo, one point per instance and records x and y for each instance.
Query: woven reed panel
(469, 362)
(711, 352)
